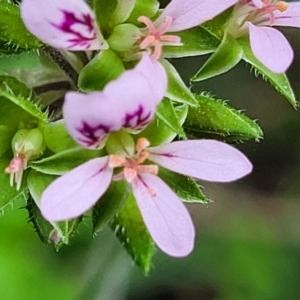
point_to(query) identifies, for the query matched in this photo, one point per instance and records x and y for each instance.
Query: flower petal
(204, 159)
(89, 118)
(290, 17)
(258, 3)
(156, 76)
(63, 24)
(190, 13)
(165, 216)
(74, 193)
(135, 94)
(271, 48)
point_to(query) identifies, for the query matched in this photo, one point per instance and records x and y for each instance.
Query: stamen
(281, 6)
(148, 23)
(116, 161)
(156, 38)
(157, 50)
(130, 174)
(142, 157)
(164, 26)
(152, 169)
(171, 38)
(141, 144)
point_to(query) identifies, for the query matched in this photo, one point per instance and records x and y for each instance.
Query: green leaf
(216, 117)
(177, 90)
(196, 41)
(57, 138)
(14, 37)
(9, 194)
(110, 204)
(158, 132)
(62, 162)
(185, 187)
(147, 8)
(227, 55)
(105, 67)
(17, 92)
(31, 68)
(130, 229)
(166, 113)
(279, 81)
(6, 134)
(58, 233)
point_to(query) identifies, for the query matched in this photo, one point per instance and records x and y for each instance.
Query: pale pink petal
(271, 48)
(63, 24)
(165, 216)
(190, 13)
(89, 118)
(156, 76)
(258, 3)
(134, 93)
(290, 17)
(77, 191)
(203, 159)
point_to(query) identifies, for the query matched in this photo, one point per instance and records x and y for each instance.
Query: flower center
(269, 9)
(133, 165)
(156, 38)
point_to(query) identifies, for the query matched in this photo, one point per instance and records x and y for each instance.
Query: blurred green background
(248, 240)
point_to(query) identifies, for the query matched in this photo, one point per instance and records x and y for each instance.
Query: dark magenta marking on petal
(79, 38)
(92, 134)
(138, 119)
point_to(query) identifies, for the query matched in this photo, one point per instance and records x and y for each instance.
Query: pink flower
(128, 103)
(268, 44)
(177, 16)
(63, 24)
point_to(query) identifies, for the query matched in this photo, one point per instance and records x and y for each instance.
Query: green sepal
(165, 111)
(122, 11)
(185, 187)
(62, 162)
(103, 68)
(158, 132)
(14, 37)
(147, 8)
(110, 204)
(177, 90)
(16, 92)
(9, 194)
(57, 138)
(130, 229)
(218, 25)
(215, 117)
(228, 54)
(58, 233)
(279, 81)
(104, 11)
(196, 41)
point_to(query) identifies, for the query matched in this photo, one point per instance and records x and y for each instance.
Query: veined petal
(190, 13)
(271, 48)
(90, 117)
(290, 17)
(63, 24)
(156, 76)
(134, 93)
(74, 193)
(165, 216)
(203, 159)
